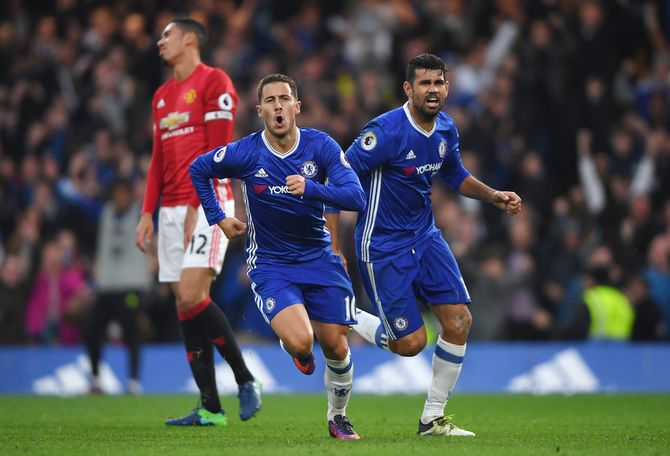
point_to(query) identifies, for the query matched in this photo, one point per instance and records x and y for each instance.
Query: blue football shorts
(428, 272)
(322, 286)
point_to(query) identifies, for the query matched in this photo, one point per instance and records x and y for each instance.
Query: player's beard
(427, 112)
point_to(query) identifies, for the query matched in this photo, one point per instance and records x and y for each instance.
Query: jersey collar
(416, 126)
(289, 152)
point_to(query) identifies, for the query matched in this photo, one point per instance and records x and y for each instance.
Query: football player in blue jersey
(402, 255)
(301, 287)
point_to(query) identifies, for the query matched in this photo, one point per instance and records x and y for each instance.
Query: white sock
(338, 378)
(371, 329)
(447, 362)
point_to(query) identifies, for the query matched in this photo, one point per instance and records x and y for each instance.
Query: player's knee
(464, 322)
(338, 351)
(409, 346)
(299, 345)
(188, 300)
(459, 324)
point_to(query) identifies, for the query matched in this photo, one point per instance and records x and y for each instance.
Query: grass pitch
(295, 425)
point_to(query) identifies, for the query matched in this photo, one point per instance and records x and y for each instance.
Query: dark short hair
(120, 183)
(427, 62)
(187, 25)
(599, 274)
(277, 77)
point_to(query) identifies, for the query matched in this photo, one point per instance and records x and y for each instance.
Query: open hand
(144, 232)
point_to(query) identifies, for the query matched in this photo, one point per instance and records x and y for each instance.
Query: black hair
(119, 183)
(599, 274)
(187, 25)
(427, 62)
(277, 77)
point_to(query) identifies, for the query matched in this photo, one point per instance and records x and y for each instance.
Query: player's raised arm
(459, 179)
(508, 201)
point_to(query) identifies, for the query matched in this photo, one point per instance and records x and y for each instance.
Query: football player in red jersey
(193, 112)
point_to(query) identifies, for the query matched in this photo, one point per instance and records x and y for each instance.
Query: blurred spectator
(657, 274)
(13, 294)
(58, 298)
(648, 324)
(604, 314)
(490, 291)
(122, 276)
(527, 318)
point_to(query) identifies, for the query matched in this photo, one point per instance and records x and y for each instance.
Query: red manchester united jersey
(190, 117)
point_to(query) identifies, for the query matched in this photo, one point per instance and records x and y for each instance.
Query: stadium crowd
(566, 102)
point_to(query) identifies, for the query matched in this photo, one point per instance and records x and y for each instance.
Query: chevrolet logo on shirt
(174, 119)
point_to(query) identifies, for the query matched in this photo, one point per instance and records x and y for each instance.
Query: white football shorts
(206, 250)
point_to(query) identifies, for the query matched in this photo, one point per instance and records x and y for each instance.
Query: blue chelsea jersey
(396, 160)
(282, 228)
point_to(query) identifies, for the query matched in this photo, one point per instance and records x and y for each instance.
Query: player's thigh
(390, 287)
(280, 302)
(329, 295)
(332, 338)
(193, 287)
(208, 245)
(170, 248)
(439, 279)
(273, 292)
(293, 327)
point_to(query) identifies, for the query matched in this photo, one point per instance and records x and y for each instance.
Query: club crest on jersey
(343, 160)
(270, 304)
(442, 150)
(190, 96)
(368, 141)
(173, 120)
(218, 156)
(400, 323)
(308, 169)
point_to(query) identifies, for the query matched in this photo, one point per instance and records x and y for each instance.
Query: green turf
(295, 425)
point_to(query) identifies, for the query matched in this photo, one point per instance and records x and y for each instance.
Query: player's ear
(189, 38)
(407, 87)
(446, 86)
(298, 104)
(258, 111)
